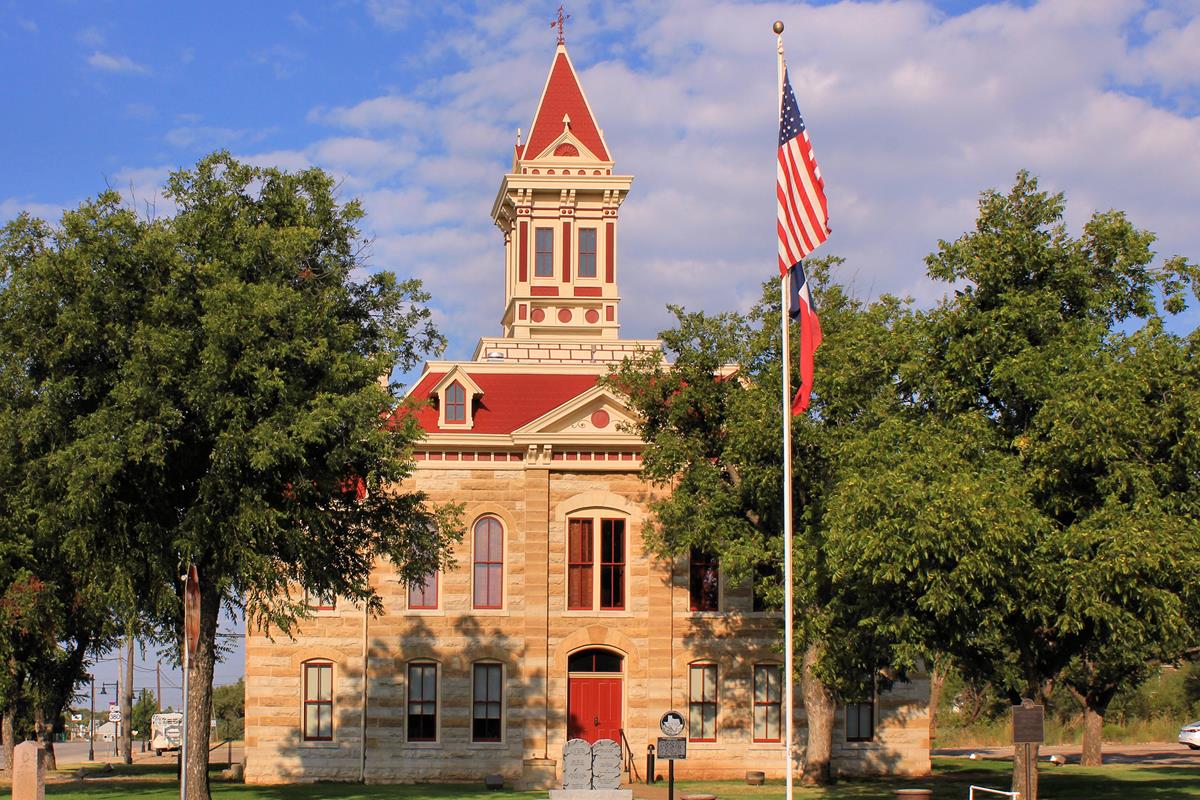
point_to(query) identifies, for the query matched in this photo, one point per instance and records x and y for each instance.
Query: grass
(951, 779)
(998, 732)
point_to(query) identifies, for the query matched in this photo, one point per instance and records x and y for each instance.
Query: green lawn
(951, 779)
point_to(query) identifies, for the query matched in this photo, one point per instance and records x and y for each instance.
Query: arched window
(317, 721)
(456, 403)
(422, 701)
(594, 660)
(489, 564)
(487, 701)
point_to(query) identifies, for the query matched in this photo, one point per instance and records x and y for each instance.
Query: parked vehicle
(1190, 735)
(166, 732)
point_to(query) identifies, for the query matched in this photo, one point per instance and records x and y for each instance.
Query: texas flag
(803, 224)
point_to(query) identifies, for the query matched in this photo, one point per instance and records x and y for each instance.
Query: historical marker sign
(671, 723)
(1028, 723)
(671, 749)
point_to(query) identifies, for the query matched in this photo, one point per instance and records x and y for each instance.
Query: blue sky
(914, 108)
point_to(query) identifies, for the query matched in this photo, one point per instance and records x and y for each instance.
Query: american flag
(803, 222)
(803, 219)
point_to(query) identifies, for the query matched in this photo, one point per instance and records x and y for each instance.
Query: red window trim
(702, 702)
(306, 666)
(320, 604)
(476, 562)
(409, 700)
(417, 607)
(768, 703)
(582, 563)
(696, 566)
(618, 525)
(476, 702)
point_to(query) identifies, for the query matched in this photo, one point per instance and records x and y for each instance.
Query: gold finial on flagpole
(777, 27)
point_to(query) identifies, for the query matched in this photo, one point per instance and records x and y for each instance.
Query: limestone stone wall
(532, 636)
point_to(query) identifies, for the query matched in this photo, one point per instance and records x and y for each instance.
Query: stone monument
(591, 772)
(29, 772)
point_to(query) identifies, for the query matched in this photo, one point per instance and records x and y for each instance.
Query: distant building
(557, 622)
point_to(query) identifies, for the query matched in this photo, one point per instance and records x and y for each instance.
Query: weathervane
(559, 23)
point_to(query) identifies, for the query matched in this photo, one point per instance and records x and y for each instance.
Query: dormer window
(455, 395)
(456, 404)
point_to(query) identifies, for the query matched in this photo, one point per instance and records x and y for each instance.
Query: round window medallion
(564, 315)
(600, 419)
(538, 314)
(592, 316)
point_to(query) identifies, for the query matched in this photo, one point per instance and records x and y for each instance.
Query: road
(76, 753)
(1161, 754)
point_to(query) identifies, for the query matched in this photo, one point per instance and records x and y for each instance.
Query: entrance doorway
(594, 695)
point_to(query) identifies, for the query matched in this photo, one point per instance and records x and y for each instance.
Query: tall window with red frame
(612, 563)
(580, 563)
(318, 701)
(489, 563)
(705, 582)
(422, 702)
(424, 595)
(702, 703)
(768, 703)
(486, 703)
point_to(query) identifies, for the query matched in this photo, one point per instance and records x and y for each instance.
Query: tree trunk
(1018, 779)
(936, 681)
(44, 733)
(819, 708)
(1093, 731)
(199, 699)
(7, 732)
(127, 705)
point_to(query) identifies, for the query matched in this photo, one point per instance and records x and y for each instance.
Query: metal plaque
(671, 749)
(1028, 723)
(671, 723)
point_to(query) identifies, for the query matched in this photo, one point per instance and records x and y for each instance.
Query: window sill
(425, 612)
(487, 745)
(486, 612)
(330, 745)
(424, 745)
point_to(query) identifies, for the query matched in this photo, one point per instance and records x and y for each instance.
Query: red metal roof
(509, 400)
(563, 96)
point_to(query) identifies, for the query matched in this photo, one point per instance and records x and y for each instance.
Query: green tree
(712, 420)
(142, 718)
(229, 709)
(1037, 520)
(230, 358)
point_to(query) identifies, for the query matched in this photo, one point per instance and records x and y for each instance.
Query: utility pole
(158, 686)
(127, 702)
(92, 722)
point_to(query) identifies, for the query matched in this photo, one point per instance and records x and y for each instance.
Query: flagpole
(788, 644)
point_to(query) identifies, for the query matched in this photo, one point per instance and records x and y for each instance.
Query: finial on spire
(518, 137)
(559, 22)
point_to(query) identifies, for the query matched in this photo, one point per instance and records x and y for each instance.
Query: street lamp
(116, 726)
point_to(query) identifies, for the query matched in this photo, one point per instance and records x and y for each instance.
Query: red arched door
(594, 696)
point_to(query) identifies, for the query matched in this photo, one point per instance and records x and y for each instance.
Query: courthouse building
(556, 622)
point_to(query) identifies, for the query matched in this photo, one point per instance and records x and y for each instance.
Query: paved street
(1152, 754)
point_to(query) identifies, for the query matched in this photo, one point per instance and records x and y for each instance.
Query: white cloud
(108, 62)
(204, 137)
(90, 36)
(912, 112)
(373, 114)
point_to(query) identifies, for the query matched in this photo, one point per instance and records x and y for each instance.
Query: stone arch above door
(597, 636)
